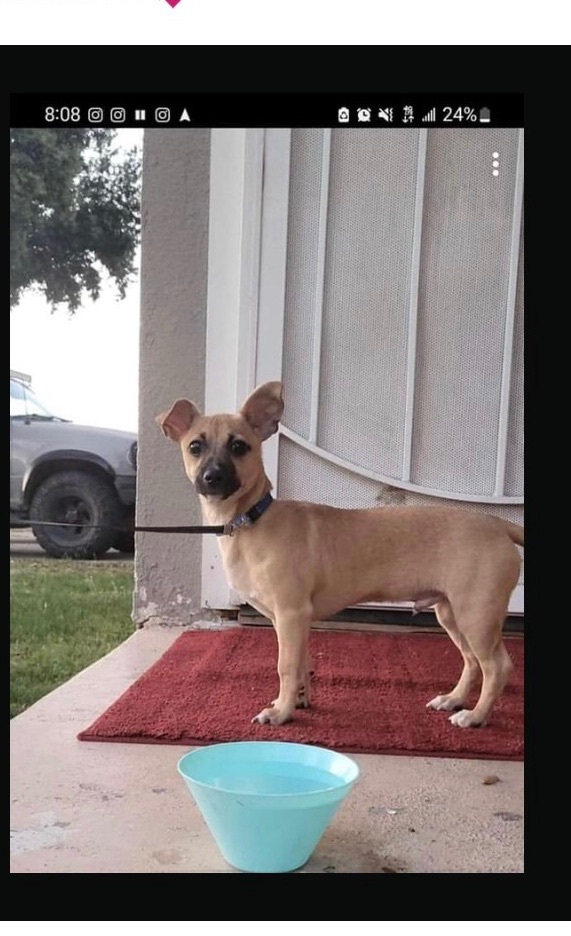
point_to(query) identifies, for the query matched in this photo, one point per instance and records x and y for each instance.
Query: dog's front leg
(304, 689)
(293, 633)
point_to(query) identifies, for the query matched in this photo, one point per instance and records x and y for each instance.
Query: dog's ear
(178, 419)
(263, 409)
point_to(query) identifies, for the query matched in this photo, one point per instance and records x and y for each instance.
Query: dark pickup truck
(64, 472)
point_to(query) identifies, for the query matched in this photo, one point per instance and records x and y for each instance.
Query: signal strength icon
(430, 117)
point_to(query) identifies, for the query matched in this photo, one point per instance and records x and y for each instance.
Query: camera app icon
(162, 114)
(117, 115)
(95, 115)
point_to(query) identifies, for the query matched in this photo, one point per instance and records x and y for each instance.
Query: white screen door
(379, 274)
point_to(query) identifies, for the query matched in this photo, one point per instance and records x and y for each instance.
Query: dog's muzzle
(218, 479)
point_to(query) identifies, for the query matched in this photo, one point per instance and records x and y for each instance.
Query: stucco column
(176, 170)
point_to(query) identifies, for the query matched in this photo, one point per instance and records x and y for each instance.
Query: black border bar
(233, 110)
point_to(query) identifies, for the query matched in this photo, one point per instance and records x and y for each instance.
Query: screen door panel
(515, 438)
(463, 297)
(403, 329)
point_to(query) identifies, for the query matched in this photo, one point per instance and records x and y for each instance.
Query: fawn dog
(299, 562)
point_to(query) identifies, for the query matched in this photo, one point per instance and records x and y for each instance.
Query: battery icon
(484, 115)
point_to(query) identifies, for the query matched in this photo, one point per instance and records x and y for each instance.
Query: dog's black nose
(217, 478)
(213, 475)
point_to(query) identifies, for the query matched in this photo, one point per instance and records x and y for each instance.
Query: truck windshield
(23, 402)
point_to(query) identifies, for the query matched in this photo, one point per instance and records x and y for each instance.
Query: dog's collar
(248, 518)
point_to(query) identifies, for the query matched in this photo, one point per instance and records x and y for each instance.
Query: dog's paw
(272, 716)
(262, 717)
(465, 719)
(446, 703)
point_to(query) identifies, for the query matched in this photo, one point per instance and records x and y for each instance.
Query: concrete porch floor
(86, 807)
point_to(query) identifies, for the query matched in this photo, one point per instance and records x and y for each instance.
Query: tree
(74, 213)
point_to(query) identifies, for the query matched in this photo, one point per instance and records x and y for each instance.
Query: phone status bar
(264, 110)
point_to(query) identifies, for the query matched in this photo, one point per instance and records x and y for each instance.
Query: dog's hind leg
(456, 698)
(292, 631)
(496, 666)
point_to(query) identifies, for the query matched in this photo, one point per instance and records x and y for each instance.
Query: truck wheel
(82, 499)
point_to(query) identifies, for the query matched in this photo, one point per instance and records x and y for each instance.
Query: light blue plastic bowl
(267, 803)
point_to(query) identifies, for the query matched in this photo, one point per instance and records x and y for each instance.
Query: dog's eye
(195, 447)
(239, 447)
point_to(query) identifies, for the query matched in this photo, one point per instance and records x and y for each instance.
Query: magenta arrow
(173, 3)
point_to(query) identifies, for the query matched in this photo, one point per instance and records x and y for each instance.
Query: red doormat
(369, 694)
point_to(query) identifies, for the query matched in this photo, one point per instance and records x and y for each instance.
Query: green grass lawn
(64, 616)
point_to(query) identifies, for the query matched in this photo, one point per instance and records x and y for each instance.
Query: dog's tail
(515, 532)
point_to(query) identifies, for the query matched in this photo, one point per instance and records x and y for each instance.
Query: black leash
(226, 529)
(136, 529)
(181, 529)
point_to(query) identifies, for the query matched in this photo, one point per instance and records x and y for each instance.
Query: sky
(85, 366)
